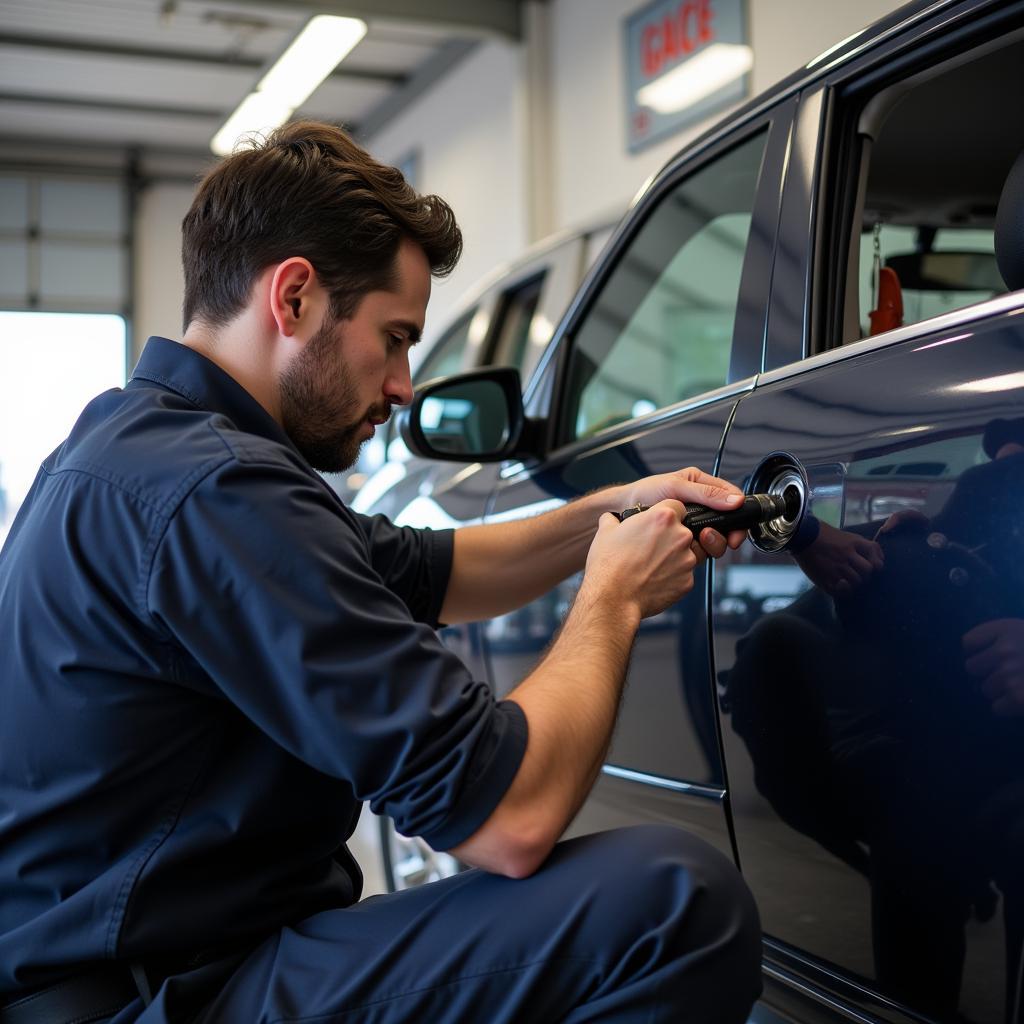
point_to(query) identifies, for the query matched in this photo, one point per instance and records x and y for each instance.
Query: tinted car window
(928, 210)
(661, 330)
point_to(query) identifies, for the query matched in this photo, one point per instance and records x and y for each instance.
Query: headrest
(1009, 240)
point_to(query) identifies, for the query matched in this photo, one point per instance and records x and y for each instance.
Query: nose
(398, 386)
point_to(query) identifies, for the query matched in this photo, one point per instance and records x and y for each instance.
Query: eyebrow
(409, 327)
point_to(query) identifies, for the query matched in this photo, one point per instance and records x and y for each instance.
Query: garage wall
(159, 281)
(468, 131)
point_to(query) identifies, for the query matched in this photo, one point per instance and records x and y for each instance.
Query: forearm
(570, 701)
(498, 567)
(634, 569)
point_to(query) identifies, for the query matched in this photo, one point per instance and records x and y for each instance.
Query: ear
(293, 287)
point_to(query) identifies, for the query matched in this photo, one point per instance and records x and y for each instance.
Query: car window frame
(820, 190)
(755, 279)
(559, 265)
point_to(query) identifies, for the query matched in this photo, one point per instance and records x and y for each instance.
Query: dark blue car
(824, 293)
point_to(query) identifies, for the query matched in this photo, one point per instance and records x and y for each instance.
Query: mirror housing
(468, 417)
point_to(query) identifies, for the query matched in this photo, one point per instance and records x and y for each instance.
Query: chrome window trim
(1002, 305)
(667, 412)
(689, 788)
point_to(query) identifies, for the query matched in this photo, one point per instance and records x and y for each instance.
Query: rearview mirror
(470, 417)
(947, 271)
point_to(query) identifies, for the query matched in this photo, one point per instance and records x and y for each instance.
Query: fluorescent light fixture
(318, 49)
(314, 53)
(700, 76)
(256, 113)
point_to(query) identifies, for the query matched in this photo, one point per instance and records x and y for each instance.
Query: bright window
(52, 365)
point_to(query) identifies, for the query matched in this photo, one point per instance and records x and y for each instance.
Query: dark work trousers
(644, 924)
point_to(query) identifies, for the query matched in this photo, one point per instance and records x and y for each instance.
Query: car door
(643, 379)
(871, 694)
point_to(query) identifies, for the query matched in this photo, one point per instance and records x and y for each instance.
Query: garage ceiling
(161, 76)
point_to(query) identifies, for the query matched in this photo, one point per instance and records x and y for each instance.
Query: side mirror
(469, 417)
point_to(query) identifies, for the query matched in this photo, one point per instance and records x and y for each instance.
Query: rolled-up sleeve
(275, 596)
(415, 564)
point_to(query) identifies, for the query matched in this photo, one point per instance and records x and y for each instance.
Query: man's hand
(692, 486)
(648, 560)
(994, 653)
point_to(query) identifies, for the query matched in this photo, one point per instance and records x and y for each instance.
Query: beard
(320, 404)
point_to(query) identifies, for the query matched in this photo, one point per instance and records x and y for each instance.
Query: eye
(395, 341)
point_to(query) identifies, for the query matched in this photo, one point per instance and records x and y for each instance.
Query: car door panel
(877, 795)
(666, 726)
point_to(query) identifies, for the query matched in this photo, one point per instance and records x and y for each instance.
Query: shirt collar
(180, 369)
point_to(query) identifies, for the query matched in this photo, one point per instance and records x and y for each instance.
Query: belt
(81, 999)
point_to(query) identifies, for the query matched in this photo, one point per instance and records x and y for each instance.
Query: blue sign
(684, 61)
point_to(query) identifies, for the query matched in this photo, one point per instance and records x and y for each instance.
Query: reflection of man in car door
(888, 723)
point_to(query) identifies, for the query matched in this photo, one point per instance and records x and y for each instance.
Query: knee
(661, 873)
(682, 871)
(680, 896)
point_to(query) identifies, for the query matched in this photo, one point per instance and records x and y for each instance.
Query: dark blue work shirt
(207, 662)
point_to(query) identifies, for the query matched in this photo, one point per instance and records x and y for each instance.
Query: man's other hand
(692, 486)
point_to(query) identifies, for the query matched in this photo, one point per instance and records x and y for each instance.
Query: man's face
(345, 380)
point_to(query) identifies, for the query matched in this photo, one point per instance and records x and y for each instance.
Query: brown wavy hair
(306, 190)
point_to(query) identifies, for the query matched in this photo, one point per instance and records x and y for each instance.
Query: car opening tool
(756, 508)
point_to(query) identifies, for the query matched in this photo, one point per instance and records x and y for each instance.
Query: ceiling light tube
(314, 53)
(256, 113)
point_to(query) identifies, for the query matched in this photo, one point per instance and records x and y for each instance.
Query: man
(207, 663)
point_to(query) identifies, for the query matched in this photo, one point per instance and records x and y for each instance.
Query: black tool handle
(756, 508)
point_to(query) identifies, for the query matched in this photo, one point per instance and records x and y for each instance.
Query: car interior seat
(1009, 234)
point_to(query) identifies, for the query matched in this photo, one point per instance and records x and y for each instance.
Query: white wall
(159, 281)
(469, 130)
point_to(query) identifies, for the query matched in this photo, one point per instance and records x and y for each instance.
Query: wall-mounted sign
(685, 59)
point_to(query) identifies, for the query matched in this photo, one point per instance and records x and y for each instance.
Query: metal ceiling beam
(177, 56)
(477, 18)
(33, 154)
(117, 106)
